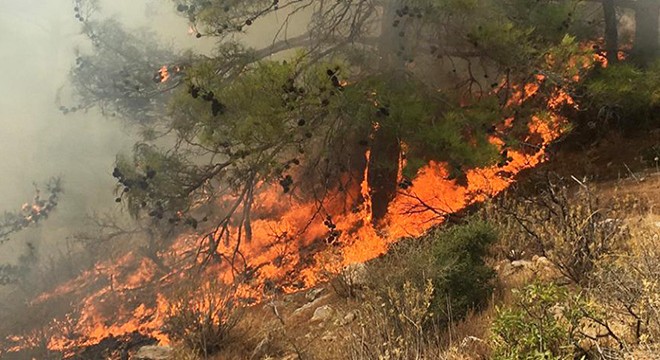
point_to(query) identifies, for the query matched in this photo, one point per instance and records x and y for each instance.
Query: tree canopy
(429, 80)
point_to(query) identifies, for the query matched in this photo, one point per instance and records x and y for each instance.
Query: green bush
(466, 282)
(452, 259)
(532, 327)
(626, 96)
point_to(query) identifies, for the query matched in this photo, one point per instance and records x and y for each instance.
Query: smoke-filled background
(37, 49)
(38, 43)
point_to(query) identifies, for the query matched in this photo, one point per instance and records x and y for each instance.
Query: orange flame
(164, 74)
(287, 248)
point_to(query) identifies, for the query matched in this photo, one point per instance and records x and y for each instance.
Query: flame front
(289, 250)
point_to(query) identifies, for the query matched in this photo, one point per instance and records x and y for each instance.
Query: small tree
(453, 259)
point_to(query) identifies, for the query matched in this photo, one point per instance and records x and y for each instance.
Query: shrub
(466, 282)
(625, 95)
(202, 316)
(534, 327)
(570, 227)
(452, 259)
(551, 322)
(628, 284)
(391, 325)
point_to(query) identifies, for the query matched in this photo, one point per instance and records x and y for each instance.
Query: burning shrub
(202, 316)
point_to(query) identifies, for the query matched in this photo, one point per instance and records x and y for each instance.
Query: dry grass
(389, 323)
(203, 315)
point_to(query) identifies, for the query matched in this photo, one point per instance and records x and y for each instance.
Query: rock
(541, 261)
(289, 357)
(521, 264)
(355, 274)
(323, 313)
(313, 294)
(468, 340)
(309, 305)
(348, 318)
(153, 352)
(504, 268)
(474, 345)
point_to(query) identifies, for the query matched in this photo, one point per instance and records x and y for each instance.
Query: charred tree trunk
(382, 174)
(611, 31)
(384, 159)
(646, 47)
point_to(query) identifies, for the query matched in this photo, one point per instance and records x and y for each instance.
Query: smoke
(37, 141)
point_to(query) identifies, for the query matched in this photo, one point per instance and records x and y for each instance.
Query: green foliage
(626, 95)
(156, 181)
(432, 129)
(564, 58)
(533, 327)
(466, 282)
(504, 42)
(548, 21)
(452, 260)
(239, 119)
(119, 75)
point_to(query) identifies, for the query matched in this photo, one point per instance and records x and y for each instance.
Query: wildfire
(165, 73)
(289, 250)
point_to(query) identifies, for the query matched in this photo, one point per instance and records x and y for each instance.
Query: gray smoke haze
(37, 43)
(38, 39)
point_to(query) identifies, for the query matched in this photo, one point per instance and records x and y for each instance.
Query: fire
(295, 244)
(166, 72)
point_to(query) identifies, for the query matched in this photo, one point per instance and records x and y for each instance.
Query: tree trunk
(611, 31)
(382, 174)
(384, 158)
(646, 47)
